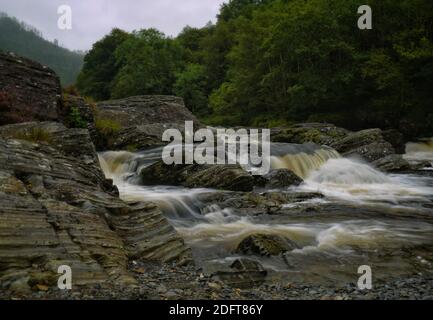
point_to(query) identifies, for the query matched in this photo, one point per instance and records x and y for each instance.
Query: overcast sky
(92, 19)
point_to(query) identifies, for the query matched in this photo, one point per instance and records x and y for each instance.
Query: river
(365, 217)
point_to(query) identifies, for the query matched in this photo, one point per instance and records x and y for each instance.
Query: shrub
(76, 120)
(35, 135)
(107, 127)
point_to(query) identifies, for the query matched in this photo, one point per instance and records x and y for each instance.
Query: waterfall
(301, 159)
(419, 151)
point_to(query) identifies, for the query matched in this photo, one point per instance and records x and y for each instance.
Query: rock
(143, 119)
(85, 118)
(29, 91)
(254, 203)
(396, 139)
(244, 273)
(265, 245)
(226, 177)
(319, 133)
(57, 208)
(393, 162)
(369, 144)
(281, 178)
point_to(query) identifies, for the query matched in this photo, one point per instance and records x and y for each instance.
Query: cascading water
(420, 151)
(323, 239)
(301, 159)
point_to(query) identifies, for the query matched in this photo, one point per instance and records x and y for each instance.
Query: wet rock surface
(226, 177)
(265, 245)
(281, 178)
(319, 133)
(368, 144)
(57, 208)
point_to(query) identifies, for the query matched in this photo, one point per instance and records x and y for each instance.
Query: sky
(92, 19)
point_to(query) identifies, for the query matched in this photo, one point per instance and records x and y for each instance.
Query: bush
(75, 119)
(107, 127)
(35, 135)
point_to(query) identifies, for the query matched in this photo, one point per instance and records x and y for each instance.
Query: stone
(143, 119)
(29, 91)
(281, 178)
(225, 177)
(393, 162)
(243, 273)
(368, 144)
(319, 133)
(265, 245)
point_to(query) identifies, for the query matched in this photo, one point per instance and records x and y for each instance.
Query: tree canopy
(274, 62)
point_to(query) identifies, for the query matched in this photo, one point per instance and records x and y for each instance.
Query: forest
(29, 42)
(277, 62)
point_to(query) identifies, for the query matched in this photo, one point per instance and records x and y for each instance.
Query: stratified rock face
(225, 177)
(369, 144)
(319, 133)
(143, 119)
(28, 91)
(393, 162)
(141, 110)
(57, 209)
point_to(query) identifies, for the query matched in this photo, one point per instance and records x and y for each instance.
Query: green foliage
(151, 61)
(26, 41)
(35, 135)
(101, 66)
(107, 127)
(190, 85)
(275, 62)
(75, 119)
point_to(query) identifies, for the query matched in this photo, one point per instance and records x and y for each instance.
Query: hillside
(25, 40)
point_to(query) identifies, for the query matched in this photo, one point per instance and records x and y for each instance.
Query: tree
(101, 66)
(190, 85)
(149, 62)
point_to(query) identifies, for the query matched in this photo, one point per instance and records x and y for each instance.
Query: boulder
(226, 177)
(57, 208)
(243, 273)
(255, 203)
(265, 245)
(369, 144)
(143, 119)
(393, 162)
(319, 133)
(281, 178)
(29, 91)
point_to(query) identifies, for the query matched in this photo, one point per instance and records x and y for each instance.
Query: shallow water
(366, 217)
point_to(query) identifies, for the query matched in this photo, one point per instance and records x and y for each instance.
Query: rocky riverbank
(171, 282)
(58, 207)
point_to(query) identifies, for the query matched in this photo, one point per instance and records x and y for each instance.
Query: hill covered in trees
(26, 41)
(275, 62)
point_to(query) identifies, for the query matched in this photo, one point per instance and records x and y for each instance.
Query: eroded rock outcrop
(143, 119)
(226, 177)
(369, 144)
(29, 91)
(319, 133)
(57, 208)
